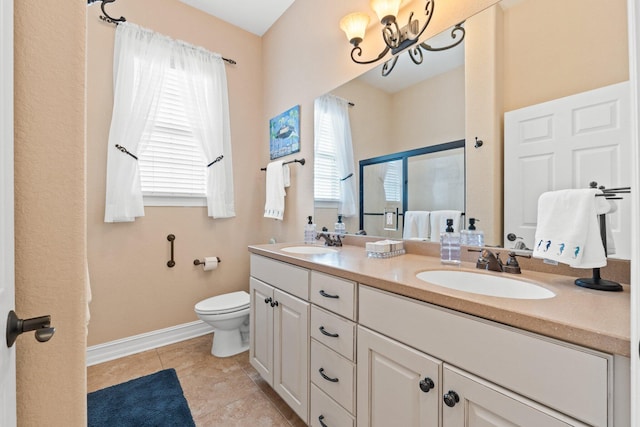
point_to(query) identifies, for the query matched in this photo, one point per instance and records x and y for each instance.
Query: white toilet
(229, 316)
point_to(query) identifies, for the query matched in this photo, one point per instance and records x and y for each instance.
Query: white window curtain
(141, 58)
(337, 109)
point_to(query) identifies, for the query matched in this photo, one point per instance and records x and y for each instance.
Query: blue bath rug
(154, 400)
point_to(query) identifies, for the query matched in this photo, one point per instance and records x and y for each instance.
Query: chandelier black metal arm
(416, 55)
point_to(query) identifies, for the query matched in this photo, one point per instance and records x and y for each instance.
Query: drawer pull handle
(274, 304)
(426, 384)
(329, 334)
(267, 300)
(333, 380)
(451, 398)
(326, 295)
(321, 418)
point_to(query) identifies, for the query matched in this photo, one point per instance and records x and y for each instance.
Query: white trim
(138, 343)
(8, 415)
(634, 77)
(175, 201)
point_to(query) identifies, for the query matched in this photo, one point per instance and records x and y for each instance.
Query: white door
(291, 351)
(568, 143)
(397, 385)
(261, 329)
(7, 355)
(469, 401)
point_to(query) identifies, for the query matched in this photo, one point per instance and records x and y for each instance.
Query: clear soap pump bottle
(340, 229)
(450, 245)
(310, 232)
(472, 236)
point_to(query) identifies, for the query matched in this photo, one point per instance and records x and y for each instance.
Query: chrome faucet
(489, 261)
(329, 240)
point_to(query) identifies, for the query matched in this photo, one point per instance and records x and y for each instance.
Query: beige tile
(207, 394)
(194, 356)
(121, 370)
(253, 410)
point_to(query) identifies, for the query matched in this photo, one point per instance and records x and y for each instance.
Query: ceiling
(254, 16)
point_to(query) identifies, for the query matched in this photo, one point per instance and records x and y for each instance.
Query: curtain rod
(107, 18)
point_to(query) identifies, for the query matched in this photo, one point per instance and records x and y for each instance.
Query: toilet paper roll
(210, 263)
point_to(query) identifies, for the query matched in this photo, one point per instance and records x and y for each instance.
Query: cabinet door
(291, 351)
(261, 329)
(477, 403)
(391, 379)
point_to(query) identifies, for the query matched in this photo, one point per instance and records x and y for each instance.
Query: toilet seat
(222, 304)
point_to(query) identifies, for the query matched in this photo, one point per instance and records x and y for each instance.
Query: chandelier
(396, 38)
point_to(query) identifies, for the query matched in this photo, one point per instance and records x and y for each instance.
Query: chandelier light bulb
(387, 10)
(354, 26)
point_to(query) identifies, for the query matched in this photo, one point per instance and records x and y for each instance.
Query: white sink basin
(308, 250)
(485, 284)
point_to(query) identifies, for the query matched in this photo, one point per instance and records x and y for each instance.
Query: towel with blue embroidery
(568, 229)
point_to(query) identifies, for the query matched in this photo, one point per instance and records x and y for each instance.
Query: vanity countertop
(595, 319)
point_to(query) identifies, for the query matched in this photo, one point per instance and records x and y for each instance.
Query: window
(393, 182)
(172, 166)
(326, 180)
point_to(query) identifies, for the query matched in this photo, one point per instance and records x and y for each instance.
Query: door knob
(451, 398)
(41, 325)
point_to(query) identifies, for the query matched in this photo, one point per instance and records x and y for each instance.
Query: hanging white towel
(286, 175)
(439, 222)
(274, 206)
(568, 229)
(416, 225)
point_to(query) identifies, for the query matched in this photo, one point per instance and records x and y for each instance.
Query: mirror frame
(404, 156)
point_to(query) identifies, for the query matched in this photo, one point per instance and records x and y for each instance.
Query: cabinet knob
(274, 304)
(426, 384)
(321, 419)
(451, 398)
(267, 300)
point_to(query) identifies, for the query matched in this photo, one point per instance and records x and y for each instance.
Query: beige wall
(133, 289)
(50, 209)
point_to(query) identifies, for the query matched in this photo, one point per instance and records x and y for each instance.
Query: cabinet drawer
(287, 277)
(325, 409)
(567, 378)
(324, 328)
(334, 294)
(339, 375)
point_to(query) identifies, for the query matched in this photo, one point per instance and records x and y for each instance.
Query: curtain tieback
(347, 177)
(124, 150)
(216, 160)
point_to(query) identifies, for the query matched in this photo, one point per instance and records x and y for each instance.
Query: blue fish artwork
(547, 246)
(576, 251)
(539, 243)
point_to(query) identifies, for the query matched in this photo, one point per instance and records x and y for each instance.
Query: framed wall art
(285, 133)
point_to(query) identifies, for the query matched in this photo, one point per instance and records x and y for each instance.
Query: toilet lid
(226, 303)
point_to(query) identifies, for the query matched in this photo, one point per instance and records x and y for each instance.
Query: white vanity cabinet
(279, 332)
(483, 374)
(333, 340)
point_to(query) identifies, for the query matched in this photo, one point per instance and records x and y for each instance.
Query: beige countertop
(595, 319)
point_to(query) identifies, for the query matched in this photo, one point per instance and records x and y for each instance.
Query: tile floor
(220, 391)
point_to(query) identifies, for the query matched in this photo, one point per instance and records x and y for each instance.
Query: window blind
(173, 164)
(326, 181)
(393, 182)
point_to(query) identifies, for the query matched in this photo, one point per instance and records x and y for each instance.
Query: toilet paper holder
(198, 262)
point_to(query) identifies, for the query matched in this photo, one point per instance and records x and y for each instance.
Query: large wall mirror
(577, 51)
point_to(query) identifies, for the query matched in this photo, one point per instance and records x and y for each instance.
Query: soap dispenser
(450, 245)
(340, 229)
(310, 232)
(472, 236)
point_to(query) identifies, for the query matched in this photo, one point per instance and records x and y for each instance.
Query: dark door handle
(326, 295)
(329, 334)
(450, 399)
(426, 384)
(41, 325)
(333, 380)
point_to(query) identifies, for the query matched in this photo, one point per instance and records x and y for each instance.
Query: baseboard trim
(138, 343)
